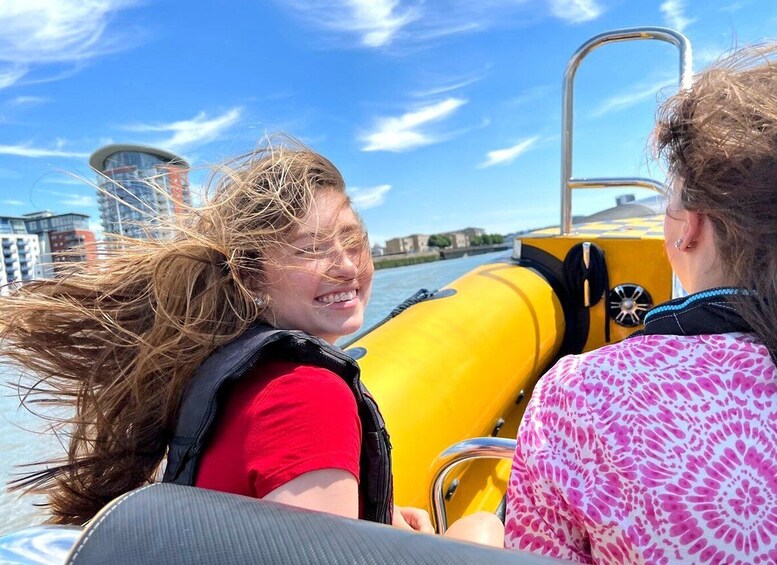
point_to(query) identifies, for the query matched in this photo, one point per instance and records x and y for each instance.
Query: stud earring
(678, 243)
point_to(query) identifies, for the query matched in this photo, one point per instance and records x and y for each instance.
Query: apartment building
(142, 189)
(21, 252)
(62, 238)
(416, 243)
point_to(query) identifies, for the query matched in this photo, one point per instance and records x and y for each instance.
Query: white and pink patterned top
(656, 449)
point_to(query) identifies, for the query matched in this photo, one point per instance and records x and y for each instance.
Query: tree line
(442, 241)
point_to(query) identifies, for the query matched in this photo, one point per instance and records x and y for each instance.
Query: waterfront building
(21, 252)
(458, 239)
(141, 189)
(398, 245)
(420, 243)
(473, 232)
(62, 238)
(416, 243)
(377, 250)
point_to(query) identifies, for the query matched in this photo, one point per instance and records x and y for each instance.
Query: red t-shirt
(282, 420)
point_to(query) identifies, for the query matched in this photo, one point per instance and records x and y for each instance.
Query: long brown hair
(720, 140)
(117, 340)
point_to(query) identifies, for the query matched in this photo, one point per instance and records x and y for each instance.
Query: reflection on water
(19, 444)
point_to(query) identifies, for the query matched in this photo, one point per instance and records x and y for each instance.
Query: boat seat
(173, 524)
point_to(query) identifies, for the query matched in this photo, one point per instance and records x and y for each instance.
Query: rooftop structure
(140, 188)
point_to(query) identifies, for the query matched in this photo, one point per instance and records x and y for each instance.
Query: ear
(695, 223)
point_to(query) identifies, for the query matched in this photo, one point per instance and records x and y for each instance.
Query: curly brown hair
(117, 340)
(719, 138)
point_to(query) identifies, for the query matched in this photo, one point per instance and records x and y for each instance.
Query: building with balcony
(62, 238)
(21, 253)
(141, 189)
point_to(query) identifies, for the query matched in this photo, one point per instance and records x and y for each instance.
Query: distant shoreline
(404, 259)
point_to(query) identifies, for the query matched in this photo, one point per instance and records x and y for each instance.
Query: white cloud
(532, 94)
(186, 133)
(97, 229)
(376, 22)
(703, 56)
(27, 100)
(450, 86)
(364, 198)
(64, 178)
(79, 201)
(39, 32)
(13, 202)
(735, 6)
(11, 74)
(674, 14)
(510, 154)
(576, 11)
(406, 131)
(26, 150)
(635, 95)
(382, 24)
(9, 173)
(72, 199)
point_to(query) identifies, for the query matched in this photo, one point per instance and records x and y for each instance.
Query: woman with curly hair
(662, 448)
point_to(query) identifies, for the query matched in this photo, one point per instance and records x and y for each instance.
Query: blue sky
(440, 114)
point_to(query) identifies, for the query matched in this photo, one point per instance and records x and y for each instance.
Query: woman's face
(320, 282)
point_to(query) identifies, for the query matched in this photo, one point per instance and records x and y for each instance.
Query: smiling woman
(321, 282)
(215, 348)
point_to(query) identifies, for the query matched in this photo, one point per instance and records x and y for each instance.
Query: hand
(409, 518)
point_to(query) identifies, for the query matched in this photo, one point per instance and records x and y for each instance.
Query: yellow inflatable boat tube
(452, 368)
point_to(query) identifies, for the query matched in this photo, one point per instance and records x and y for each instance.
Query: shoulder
(292, 374)
(585, 379)
(650, 364)
(661, 355)
(295, 384)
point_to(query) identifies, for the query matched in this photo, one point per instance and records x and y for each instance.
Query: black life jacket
(208, 390)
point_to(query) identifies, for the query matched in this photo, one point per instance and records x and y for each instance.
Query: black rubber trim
(576, 317)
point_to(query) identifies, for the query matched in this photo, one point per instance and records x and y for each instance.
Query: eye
(306, 251)
(357, 240)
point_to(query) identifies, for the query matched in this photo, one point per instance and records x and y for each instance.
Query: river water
(21, 440)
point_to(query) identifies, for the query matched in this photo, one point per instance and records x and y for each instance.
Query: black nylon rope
(576, 273)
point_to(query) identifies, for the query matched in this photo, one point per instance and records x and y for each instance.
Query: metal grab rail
(475, 448)
(567, 181)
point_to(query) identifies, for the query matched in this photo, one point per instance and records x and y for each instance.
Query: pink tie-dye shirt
(656, 449)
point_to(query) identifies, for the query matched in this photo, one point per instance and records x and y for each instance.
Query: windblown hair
(719, 139)
(117, 340)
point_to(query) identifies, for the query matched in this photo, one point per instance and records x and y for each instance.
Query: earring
(678, 243)
(258, 301)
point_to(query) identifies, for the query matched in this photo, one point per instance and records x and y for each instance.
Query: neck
(703, 267)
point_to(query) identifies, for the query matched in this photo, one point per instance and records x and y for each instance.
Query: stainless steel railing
(467, 450)
(568, 182)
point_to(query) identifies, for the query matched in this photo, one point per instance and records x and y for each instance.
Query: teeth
(338, 297)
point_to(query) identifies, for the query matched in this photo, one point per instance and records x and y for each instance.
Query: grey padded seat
(172, 524)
